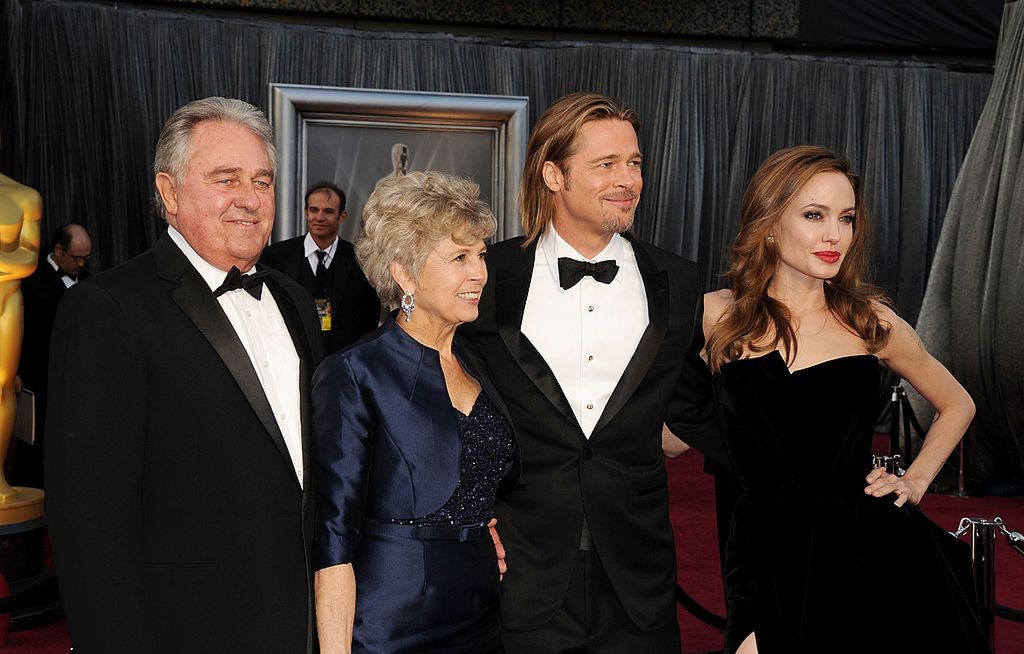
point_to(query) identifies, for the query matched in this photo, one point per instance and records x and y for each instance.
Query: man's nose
(247, 198)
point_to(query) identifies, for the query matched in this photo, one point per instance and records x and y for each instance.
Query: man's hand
(499, 549)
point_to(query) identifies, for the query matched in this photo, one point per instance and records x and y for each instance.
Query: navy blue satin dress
(405, 486)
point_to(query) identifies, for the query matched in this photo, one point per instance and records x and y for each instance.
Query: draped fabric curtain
(99, 80)
(974, 306)
(11, 89)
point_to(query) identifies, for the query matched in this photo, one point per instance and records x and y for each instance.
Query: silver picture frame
(353, 137)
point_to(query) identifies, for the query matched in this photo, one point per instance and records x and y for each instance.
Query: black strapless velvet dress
(813, 564)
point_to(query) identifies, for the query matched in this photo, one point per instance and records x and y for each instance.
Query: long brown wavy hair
(756, 322)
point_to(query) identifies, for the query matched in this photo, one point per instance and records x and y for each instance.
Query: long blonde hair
(756, 322)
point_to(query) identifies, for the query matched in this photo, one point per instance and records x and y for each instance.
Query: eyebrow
(635, 155)
(235, 170)
(817, 205)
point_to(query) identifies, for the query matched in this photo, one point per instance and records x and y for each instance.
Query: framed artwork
(355, 137)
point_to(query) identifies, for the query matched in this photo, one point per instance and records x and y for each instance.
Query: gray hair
(406, 217)
(174, 147)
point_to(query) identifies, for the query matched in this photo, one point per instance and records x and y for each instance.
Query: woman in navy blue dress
(411, 441)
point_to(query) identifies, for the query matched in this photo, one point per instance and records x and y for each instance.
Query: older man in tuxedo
(593, 338)
(177, 453)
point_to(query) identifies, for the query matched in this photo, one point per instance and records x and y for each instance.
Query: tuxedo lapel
(510, 292)
(656, 289)
(54, 278)
(194, 298)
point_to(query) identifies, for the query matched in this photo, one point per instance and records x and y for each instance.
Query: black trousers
(592, 621)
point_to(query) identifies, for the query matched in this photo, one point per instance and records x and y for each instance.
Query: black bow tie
(253, 284)
(571, 271)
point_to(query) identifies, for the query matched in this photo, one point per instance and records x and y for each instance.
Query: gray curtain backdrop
(974, 308)
(97, 82)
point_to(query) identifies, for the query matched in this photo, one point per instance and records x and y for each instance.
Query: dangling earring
(771, 239)
(408, 304)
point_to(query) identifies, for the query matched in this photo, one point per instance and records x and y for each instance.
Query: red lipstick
(828, 256)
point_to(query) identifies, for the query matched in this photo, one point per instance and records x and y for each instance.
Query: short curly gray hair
(174, 147)
(406, 217)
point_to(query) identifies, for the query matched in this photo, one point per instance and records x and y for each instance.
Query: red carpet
(693, 516)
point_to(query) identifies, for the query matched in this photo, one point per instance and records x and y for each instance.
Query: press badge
(323, 309)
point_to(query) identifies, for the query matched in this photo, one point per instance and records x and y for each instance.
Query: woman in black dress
(411, 441)
(826, 554)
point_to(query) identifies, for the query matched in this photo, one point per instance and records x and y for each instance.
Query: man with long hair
(593, 338)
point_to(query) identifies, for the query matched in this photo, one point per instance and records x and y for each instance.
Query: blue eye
(812, 215)
(848, 218)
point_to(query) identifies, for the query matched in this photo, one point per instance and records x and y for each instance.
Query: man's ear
(553, 177)
(342, 216)
(168, 193)
(402, 276)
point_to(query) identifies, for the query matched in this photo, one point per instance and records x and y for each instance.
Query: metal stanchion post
(894, 419)
(983, 562)
(961, 480)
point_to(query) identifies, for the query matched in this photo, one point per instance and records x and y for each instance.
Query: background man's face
(74, 258)
(324, 215)
(224, 205)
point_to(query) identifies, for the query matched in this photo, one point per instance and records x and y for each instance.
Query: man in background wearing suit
(177, 438)
(593, 338)
(325, 265)
(58, 271)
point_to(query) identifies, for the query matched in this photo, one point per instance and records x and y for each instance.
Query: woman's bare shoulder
(715, 305)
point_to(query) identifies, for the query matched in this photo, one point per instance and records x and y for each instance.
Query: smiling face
(324, 216)
(815, 230)
(448, 287)
(224, 203)
(598, 191)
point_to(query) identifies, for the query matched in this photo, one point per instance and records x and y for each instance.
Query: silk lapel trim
(194, 298)
(656, 289)
(511, 289)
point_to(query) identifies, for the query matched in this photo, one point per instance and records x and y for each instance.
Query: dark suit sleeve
(271, 256)
(95, 443)
(691, 411)
(343, 429)
(370, 304)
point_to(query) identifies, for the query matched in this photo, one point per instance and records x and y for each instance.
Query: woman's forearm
(335, 592)
(942, 438)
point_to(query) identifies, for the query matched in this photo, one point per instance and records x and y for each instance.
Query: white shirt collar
(212, 275)
(53, 263)
(554, 246)
(309, 246)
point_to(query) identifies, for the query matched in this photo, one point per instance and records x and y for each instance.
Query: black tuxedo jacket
(616, 480)
(355, 307)
(41, 292)
(177, 519)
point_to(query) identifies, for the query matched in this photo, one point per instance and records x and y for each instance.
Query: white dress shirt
(266, 340)
(309, 247)
(63, 276)
(587, 334)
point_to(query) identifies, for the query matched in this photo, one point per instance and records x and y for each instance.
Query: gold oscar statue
(20, 211)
